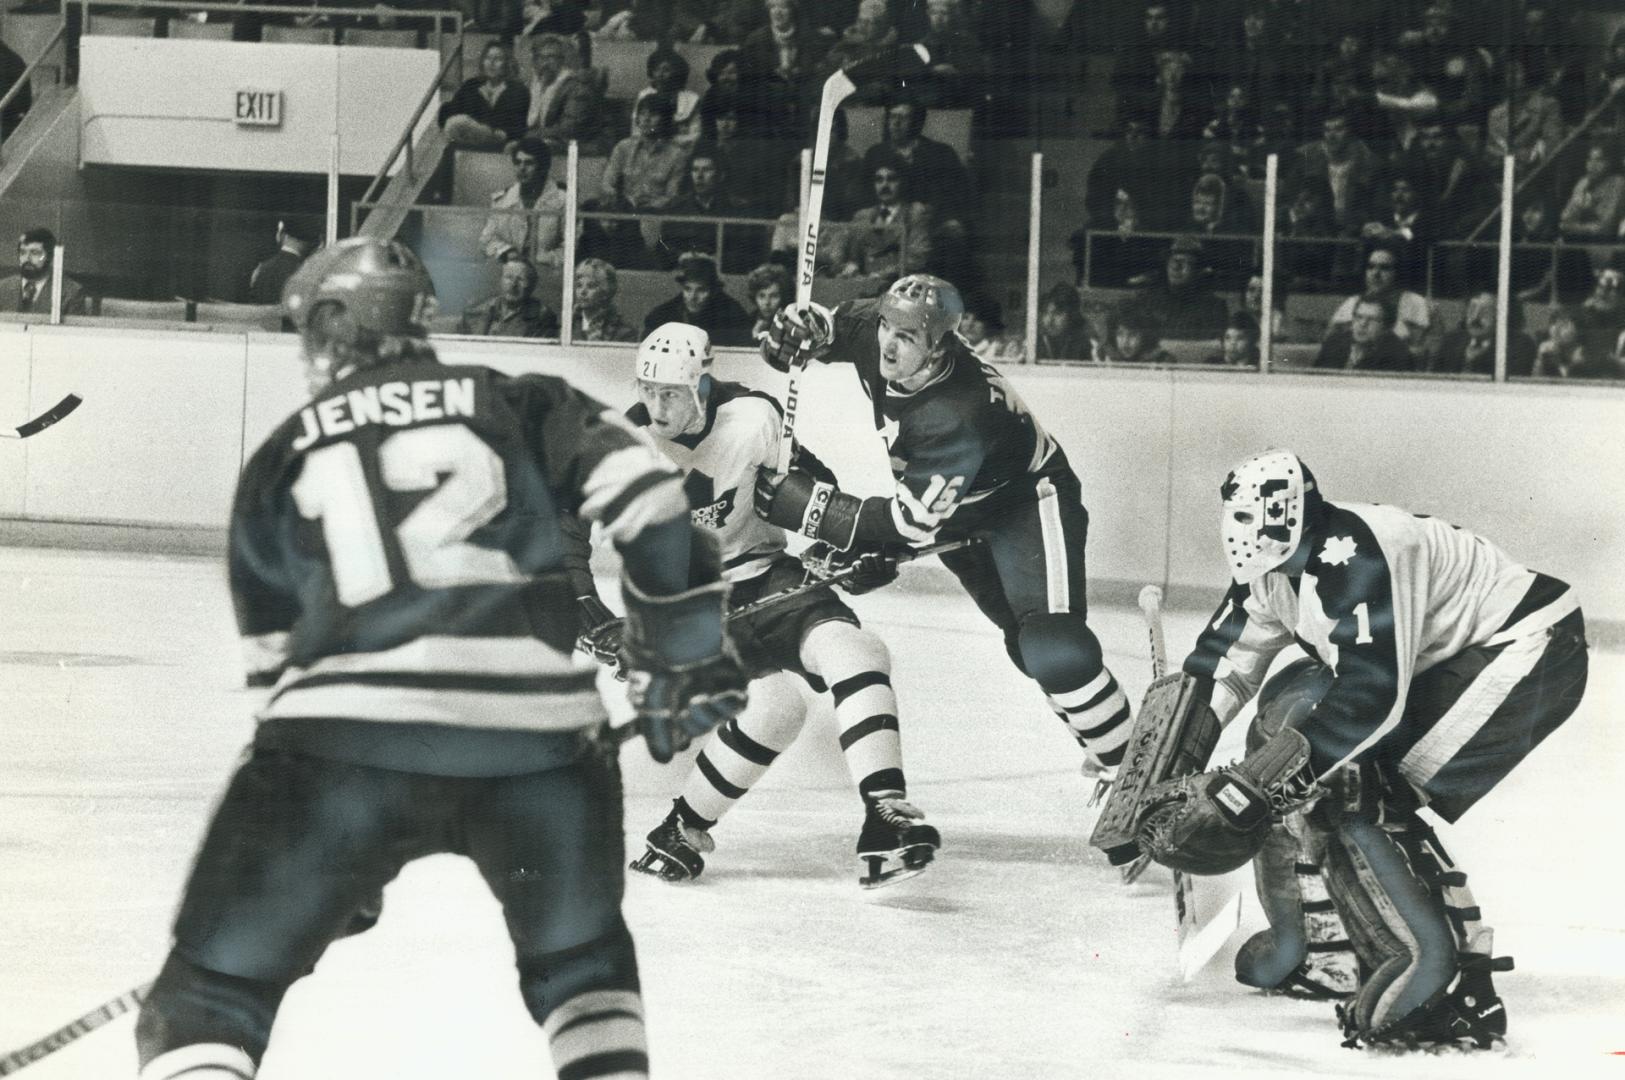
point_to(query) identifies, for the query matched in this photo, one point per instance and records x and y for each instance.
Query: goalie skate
(675, 851)
(893, 845)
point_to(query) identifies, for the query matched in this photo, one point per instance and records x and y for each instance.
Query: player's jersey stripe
(497, 709)
(1471, 710)
(1546, 603)
(864, 728)
(1056, 581)
(484, 655)
(421, 680)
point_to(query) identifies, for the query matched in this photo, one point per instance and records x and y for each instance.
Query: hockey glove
(682, 673)
(600, 633)
(810, 329)
(814, 508)
(869, 570)
(1213, 822)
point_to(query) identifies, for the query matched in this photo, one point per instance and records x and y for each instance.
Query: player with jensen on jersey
(398, 566)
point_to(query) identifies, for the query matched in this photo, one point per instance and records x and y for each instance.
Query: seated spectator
(1254, 62)
(1470, 348)
(12, 67)
(668, 74)
(566, 101)
(646, 170)
(1220, 210)
(1109, 257)
(1402, 101)
(1563, 349)
(1238, 347)
(1533, 276)
(1598, 200)
(1603, 313)
(958, 64)
(1415, 314)
(514, 311)
(1136, 339)
(1533, 130)
(982, 328)
(29, 290)
(781, 69)
(535, 235)
(1446, 61)
(1349, 168)
(1062, 332)
(655, 20)
(770, 289)
(890, 238)
(1609, 365)
(703, 303)
(1368, 341)
(487, 112)
(1610, 78)
(538, 17)
(1177, 104)
(1405, 227)
(1140, 168)
(1455, 188)
(709, 193)
(1308, 218)
(1341, 77)
(870, 34)
(932, 171)
(295, 239)
(1180, 304)
(595, 316)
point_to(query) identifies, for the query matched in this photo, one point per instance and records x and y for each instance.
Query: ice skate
(893, 845)
(675, 850)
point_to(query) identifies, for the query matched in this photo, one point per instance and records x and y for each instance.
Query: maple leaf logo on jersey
(708, 509)
(1339, 551)
(888, 431)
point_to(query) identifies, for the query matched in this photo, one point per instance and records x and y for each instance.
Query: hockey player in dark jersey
(1436, 664)
(719, 434)
(396, 565)
(969, 460)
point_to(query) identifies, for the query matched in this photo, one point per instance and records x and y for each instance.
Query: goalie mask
(674, 355)
(1268, 499)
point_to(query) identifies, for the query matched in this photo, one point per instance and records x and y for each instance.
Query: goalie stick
(1197, 944)
(67, 1033)
(40, 423)
(838, 87)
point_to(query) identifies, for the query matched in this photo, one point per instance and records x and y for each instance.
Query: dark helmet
(925, 303)
(380, 285)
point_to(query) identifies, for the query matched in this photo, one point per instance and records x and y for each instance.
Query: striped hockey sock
(1097, 714)
(599, 1035)
(866, 710)
(740, 751)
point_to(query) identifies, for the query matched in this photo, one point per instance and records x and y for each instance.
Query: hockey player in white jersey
(719, 433)
(1442, 663)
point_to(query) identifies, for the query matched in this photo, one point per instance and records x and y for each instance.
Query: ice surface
(1017, 955)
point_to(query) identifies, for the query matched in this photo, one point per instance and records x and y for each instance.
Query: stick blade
(45, 419)
(1198, 945)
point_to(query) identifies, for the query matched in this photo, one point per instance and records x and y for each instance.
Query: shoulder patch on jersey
(1338, 551)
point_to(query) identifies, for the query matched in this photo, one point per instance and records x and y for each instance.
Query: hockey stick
(838, 87)
(842, 575)
(1184, 889)
(38, 424)
(68, 1033)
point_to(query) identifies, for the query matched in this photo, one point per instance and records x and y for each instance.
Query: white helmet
(1267, 500)
(676, 354)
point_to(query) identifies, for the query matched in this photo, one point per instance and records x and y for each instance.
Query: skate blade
(661, 867)
(906, 863)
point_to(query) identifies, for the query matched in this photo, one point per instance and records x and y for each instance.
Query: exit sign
(258, 108)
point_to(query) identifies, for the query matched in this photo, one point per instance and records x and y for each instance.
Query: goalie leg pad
(1398, 928)
(1306, 948)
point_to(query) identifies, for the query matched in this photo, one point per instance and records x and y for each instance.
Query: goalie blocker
(1173, 735)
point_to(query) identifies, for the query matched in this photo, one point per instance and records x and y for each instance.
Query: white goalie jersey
(1385, 596)
(719, 464)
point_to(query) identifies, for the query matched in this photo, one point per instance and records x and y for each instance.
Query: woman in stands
(487, 111)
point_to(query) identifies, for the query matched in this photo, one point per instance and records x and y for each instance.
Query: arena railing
(25, 79)
(404, 143)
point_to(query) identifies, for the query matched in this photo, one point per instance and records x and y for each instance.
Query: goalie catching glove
(794, 330)
(682, 673)
(1214, 822)
(865, 570)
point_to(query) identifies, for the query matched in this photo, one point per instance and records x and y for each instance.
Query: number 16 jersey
(398, 570)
